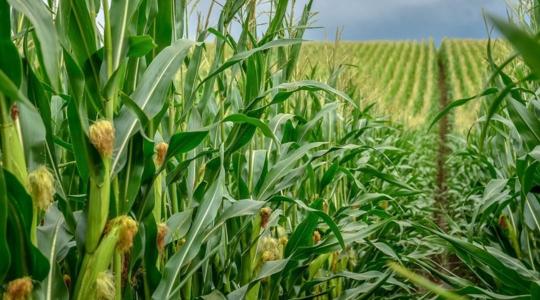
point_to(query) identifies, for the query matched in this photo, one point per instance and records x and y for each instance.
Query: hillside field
(402, 77)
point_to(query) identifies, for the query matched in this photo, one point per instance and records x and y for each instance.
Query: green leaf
(140, 45)
(81, 30)
(33, 135)
(192, 73)
(151, 253)
(242, 118)
(141, 115)
(178, 225)
(184, 142)
(204, 217)
(214, 295)
(4, 244)
(41, 18)
(8, 88)
(86, 156)
(493, 107)
(237, 209)
(365, 276)
(139, 156)
(327, 219)
(424, 282)
(42, 101)
(31, 123)
(325, 111)
(283, 91)
(277, 21)
(182, 167)
(270, 268)
(163, 27)
(477, 291)
(5, 21)
(240, 208)
(526, 123)
(10, 61)
(368, 198)
(54, 243)
(149, 95)
(281, 169)
(332, 244)
(526, 44)
(365, 290)
(457, 103)
(244, 55)
(121, 13)
(241, 134)
(531, 212)
(239, 293)
(384, 176)
(295, 50)
(384, 248)
(535, 153)
(29, 260)
(75, 77)
(303, 233)
(508, 271)
(114, 83)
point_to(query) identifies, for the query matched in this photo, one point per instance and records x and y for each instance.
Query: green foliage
(256, 162)
(228, 171)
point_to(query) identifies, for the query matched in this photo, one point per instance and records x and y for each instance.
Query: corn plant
(137, 163)
(141, 162)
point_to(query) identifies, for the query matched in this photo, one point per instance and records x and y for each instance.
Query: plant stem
(94, 263)
(109, 103)
(158, 196)
(98, 206)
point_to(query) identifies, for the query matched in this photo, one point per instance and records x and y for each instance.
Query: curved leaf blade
(39, 16)
(149, 95)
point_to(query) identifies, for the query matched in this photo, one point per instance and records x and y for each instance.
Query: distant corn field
(402, 77)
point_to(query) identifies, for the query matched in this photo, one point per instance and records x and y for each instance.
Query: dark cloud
(403, 19)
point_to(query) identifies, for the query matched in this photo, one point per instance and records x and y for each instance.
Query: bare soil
(440, 196)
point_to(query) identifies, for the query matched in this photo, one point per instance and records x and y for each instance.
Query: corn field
(388, 73)
(140, 162)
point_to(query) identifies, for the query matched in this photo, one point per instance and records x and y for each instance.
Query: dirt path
(442, 152)
(448, 261)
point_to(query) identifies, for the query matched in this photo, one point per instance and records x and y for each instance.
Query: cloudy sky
(404, 19)
(397, 19)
